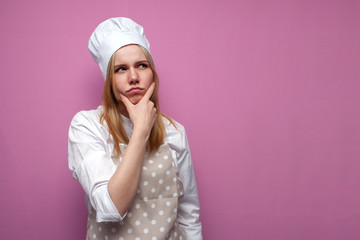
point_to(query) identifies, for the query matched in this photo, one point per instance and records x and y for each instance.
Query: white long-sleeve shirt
(92, 163)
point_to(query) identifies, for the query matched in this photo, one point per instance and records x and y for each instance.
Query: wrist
(140, 134)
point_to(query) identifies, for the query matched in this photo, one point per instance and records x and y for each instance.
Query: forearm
(124, 183)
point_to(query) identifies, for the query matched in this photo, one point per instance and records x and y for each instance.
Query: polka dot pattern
(154, 211)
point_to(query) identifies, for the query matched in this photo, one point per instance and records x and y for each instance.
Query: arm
(189, 208)
(91, 164)
(124, 183)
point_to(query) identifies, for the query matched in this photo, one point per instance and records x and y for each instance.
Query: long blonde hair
(111, 114)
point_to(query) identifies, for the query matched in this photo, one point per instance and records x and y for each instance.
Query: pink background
(268, 91)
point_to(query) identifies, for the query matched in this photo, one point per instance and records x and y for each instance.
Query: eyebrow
(138, 62)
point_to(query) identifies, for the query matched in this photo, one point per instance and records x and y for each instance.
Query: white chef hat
(113, 34)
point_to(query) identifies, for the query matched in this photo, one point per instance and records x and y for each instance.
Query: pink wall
(269, 93)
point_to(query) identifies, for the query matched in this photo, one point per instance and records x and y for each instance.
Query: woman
(132, 161)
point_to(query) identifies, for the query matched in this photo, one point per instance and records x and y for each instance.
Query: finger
(149, 92)
(126, 101)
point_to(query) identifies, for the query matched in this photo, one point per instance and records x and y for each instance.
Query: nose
(133, 76)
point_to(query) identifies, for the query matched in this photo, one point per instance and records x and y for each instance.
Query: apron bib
(153, 214)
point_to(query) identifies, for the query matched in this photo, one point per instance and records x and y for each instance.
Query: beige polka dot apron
(153, 214)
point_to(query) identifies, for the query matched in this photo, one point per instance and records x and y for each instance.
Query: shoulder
(175, 134)
(87, 116)
(88, 122)
(173, 126)
(89, 119)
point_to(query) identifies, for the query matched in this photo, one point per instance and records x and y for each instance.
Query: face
(132, 73)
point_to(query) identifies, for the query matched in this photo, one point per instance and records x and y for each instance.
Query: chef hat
(113, 34)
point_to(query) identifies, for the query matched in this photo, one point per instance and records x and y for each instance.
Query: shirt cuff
(106, 210)
(192, 232)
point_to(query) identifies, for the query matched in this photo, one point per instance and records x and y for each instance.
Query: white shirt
(92, 163)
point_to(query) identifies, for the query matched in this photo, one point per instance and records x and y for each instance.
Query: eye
(143, 65)
(120, 69)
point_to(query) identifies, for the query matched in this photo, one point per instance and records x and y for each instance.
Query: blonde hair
(111, 114)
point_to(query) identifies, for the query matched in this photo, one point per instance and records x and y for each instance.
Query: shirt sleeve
(189, 208)
(91, 164)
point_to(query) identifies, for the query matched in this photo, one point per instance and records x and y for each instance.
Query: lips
(135, 90)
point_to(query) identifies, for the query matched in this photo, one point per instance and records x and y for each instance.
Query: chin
(135, 100)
